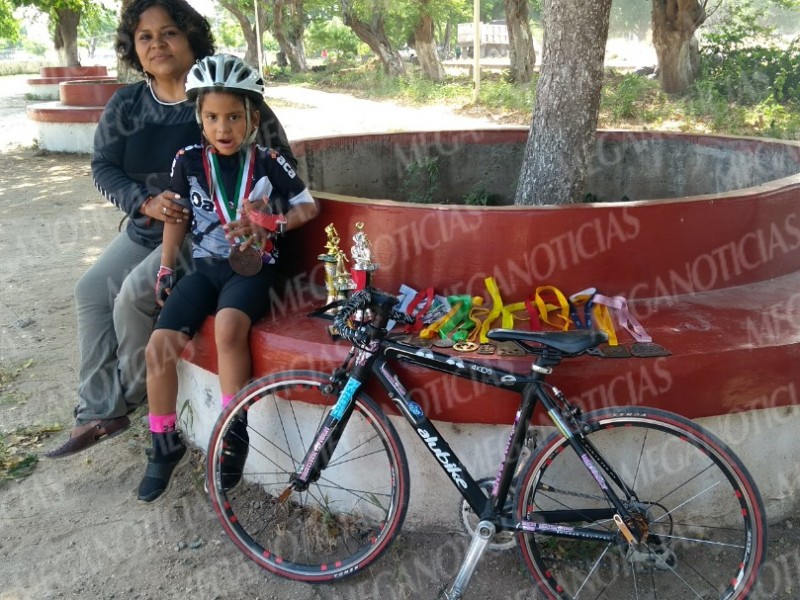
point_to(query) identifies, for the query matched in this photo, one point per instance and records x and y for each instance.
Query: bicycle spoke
(670, 506)
(347, 517)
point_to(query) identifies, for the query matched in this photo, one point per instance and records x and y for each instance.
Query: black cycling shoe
(163, 458)
(235, 447)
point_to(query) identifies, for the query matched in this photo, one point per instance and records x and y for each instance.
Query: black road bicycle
(619, 503)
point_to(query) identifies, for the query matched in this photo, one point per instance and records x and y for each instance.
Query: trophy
(330, 260)
(342, 281)
(362, 259)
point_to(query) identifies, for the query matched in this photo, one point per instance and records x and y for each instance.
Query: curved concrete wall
(636, 165)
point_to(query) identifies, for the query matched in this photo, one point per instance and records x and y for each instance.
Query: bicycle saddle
(569, 342)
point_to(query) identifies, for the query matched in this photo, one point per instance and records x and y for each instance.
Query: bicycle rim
(705, 522)
(346, 519)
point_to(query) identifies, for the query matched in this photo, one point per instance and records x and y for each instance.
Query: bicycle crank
(502, 540)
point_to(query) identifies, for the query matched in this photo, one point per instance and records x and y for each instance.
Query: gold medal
(465, 346)
(245, 262)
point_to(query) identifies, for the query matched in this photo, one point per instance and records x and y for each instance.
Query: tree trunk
(674, 24)
(373, 34)
(248, 29)
(288, 29)
(425, 46)
(567, 102)
(65, 37)
(520, 41)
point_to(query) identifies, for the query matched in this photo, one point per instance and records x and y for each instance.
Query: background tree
(567, 102)
(334, 37)
(288, 27)
(520, 41)
(242, 11)
(674, 26)
(425, 42)
(367, 19)
(9, 27)
(98, 25)
(65, 16)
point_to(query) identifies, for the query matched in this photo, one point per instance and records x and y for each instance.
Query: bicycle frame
(374, 361)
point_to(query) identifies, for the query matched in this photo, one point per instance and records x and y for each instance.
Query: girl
(233, 274)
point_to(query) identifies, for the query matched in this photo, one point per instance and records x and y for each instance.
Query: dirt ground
(73, 528)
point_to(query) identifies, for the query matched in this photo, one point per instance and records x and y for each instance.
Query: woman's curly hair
(188, 20)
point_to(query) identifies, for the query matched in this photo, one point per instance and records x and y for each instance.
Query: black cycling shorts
(211, 286)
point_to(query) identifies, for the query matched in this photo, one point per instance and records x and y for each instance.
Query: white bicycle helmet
(224, 73)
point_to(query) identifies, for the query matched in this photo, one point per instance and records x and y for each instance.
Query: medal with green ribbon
(245, 262)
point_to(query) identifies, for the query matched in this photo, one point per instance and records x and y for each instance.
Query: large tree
(367, 19)
(567, 102)
(425, 42)
(674, 25)
(520, 41)
(65, 17)
(288, 26)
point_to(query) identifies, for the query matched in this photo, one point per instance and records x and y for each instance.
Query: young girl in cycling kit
(242, 196)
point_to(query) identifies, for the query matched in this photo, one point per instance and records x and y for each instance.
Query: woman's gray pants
(116, 310)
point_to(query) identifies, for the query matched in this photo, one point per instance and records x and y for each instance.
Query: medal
(245, 262)
(465, 346)
(444, 343)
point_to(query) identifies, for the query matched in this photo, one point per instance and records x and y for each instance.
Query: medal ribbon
(544, 297)
(506, 312)
(625, 319)
(226, 209)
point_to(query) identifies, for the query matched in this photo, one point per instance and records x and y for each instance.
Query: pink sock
(226, 399)
(162, 423)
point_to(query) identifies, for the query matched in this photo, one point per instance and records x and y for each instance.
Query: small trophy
(330, 259)
(342, 281)
(362, 259)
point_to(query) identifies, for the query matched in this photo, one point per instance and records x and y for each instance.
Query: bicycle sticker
(345, 398)
(415, 409)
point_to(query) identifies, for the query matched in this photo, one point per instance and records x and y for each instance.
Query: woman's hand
(167, 207)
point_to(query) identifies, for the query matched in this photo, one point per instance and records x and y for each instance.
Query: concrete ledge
(49, 87)
(88, 92)
(435, 502)
(66, 137)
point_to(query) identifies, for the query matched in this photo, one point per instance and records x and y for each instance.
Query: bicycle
(618, 503)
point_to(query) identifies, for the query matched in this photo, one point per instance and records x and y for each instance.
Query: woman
(142, 127)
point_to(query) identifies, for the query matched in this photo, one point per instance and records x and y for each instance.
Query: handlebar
(376, 309)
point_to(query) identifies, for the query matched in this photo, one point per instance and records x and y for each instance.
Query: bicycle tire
(702, 510)
(346, 519)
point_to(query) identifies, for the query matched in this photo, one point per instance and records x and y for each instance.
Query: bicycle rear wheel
(346, 519)
(705, 522)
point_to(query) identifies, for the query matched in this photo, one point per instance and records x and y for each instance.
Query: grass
(629, 101)
(17, 456)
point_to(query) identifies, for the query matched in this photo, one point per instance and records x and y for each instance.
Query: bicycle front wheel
(703, 520)
(344, 520)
